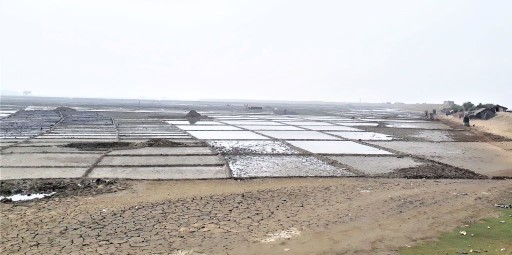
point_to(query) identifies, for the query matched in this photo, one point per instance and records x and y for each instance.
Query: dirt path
(321, 215)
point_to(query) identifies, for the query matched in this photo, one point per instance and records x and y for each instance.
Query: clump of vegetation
(491, 236)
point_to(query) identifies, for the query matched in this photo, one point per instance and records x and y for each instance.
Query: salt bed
(252, 147)
(229, 135)
(234, 118)
(19, 197)
(376, 165)
(394, 120)
(311, 135)
(275, 166)
(337, 147)
(363, 136)
(418, 125)
(358, 124)
(307, 123)
(255, 122)
(328, 119)
(186, 122)
(332, 128)
(435, 136)
(290, 128)
(204, 127)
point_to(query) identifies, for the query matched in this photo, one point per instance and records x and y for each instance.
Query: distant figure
(466, 121)
(426, 114)
(434, 111)
(431, 116)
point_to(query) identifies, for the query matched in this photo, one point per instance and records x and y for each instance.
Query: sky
(338, 51)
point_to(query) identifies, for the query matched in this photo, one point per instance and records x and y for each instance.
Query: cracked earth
(273, 216)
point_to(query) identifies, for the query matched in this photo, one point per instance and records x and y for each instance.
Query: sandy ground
(501, 124)
(258, 216)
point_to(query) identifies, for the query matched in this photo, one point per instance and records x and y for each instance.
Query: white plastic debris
(19, 197)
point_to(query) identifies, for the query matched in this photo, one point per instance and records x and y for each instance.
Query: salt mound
(193, 114)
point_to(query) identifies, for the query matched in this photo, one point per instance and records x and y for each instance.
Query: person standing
(466, 120)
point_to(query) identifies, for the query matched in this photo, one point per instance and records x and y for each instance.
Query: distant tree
(480, 105)
(468, 106)
(456, 107)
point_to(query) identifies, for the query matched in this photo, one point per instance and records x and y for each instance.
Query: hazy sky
(374, 51)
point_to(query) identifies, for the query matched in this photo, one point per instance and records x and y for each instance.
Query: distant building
(499, 108)
(448, 104)
(255, 108)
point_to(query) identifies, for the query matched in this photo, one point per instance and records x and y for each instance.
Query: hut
(482, 113)
(499, 108)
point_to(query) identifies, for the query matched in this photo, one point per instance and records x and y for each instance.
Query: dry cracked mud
(260, 216)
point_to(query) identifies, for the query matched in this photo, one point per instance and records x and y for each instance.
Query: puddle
(204, 127)
(256, 122)
(276, 166)
(19, 197)
(363, 136)
(251, 147)
(311, 135)
(228, 135)
(308, 123)
(289, 128)
(337, 147)
(332, 128)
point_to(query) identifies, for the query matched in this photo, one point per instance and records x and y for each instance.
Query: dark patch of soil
(103, 146)
(62, 187)
(88, 146)
(161, 143)
(434, 171)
